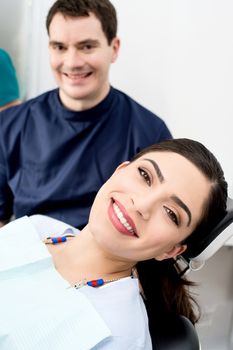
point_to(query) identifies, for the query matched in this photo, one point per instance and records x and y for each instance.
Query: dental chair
(179, 333)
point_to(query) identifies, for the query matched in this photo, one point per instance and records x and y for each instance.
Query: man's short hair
(102, 9)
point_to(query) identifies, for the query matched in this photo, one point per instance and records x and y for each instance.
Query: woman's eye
(172, 215)
(145, 176)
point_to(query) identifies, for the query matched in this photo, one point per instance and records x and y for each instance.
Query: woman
(142, 218)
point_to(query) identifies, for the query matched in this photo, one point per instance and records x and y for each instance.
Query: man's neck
(79, 105)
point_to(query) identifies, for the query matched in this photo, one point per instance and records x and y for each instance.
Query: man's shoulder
(144, 122)
(135, 105)
(44, 97)
(17, 114)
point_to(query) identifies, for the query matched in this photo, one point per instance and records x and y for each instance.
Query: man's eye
(172, 215)
(145, 176)
(58, 47)
(87, 47)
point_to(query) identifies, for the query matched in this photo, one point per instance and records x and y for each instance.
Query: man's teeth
(122, 219)
(77, 75)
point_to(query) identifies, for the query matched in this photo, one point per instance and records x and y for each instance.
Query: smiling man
(80, 57)
(57, 149)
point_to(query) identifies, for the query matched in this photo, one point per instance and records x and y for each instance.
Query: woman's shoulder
(122, 308)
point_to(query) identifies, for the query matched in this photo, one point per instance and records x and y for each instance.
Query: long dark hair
(166, 291)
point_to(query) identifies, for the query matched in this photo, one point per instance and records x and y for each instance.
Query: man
(57, 149)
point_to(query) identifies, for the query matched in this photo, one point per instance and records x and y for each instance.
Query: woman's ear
(122, 165)
(172, 253)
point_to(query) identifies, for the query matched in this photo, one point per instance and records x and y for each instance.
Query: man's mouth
(121, 219)
(77, 76)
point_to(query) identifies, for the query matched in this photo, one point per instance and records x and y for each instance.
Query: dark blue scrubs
(53, 160)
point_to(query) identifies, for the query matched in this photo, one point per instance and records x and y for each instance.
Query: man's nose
(74, 58)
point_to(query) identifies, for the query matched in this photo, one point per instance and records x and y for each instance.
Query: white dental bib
(38, 310)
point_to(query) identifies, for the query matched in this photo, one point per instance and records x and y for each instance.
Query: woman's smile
(151, 204)
(120, 219)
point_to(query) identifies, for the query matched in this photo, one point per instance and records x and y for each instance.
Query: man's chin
(77, 100)
(74, 93)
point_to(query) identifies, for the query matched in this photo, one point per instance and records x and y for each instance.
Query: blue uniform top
(9, 88)
(54, 160)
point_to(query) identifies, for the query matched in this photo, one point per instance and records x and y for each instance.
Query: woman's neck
(81, 258)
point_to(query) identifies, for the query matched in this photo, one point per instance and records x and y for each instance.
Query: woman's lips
(120, 219)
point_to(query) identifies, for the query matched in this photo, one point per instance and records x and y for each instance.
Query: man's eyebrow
(55, 42)
(80, 43)
(157, 169)
(184, 207)
(88, 41)
(174, 198)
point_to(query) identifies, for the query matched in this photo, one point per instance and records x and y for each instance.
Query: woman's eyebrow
(174, 198)
(184, 207)
(157, 169)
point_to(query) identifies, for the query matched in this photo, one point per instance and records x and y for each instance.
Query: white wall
(176, 58)
(14, 36)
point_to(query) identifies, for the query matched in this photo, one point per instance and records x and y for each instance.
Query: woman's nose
(144, 204)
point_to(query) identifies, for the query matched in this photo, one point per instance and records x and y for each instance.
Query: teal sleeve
(9, 88)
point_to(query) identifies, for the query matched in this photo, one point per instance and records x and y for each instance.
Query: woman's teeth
(122, 219)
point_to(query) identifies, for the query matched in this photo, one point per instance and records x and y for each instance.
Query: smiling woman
(122, 263)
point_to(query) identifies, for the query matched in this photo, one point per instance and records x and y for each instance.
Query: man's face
(80, 57)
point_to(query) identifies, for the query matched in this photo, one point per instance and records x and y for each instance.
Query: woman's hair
(166, 292)
(102, 9)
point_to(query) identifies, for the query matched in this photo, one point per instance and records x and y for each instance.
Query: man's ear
(172, 253)
(115, 48)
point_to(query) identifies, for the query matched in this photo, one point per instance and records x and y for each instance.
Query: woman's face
(148, 207)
